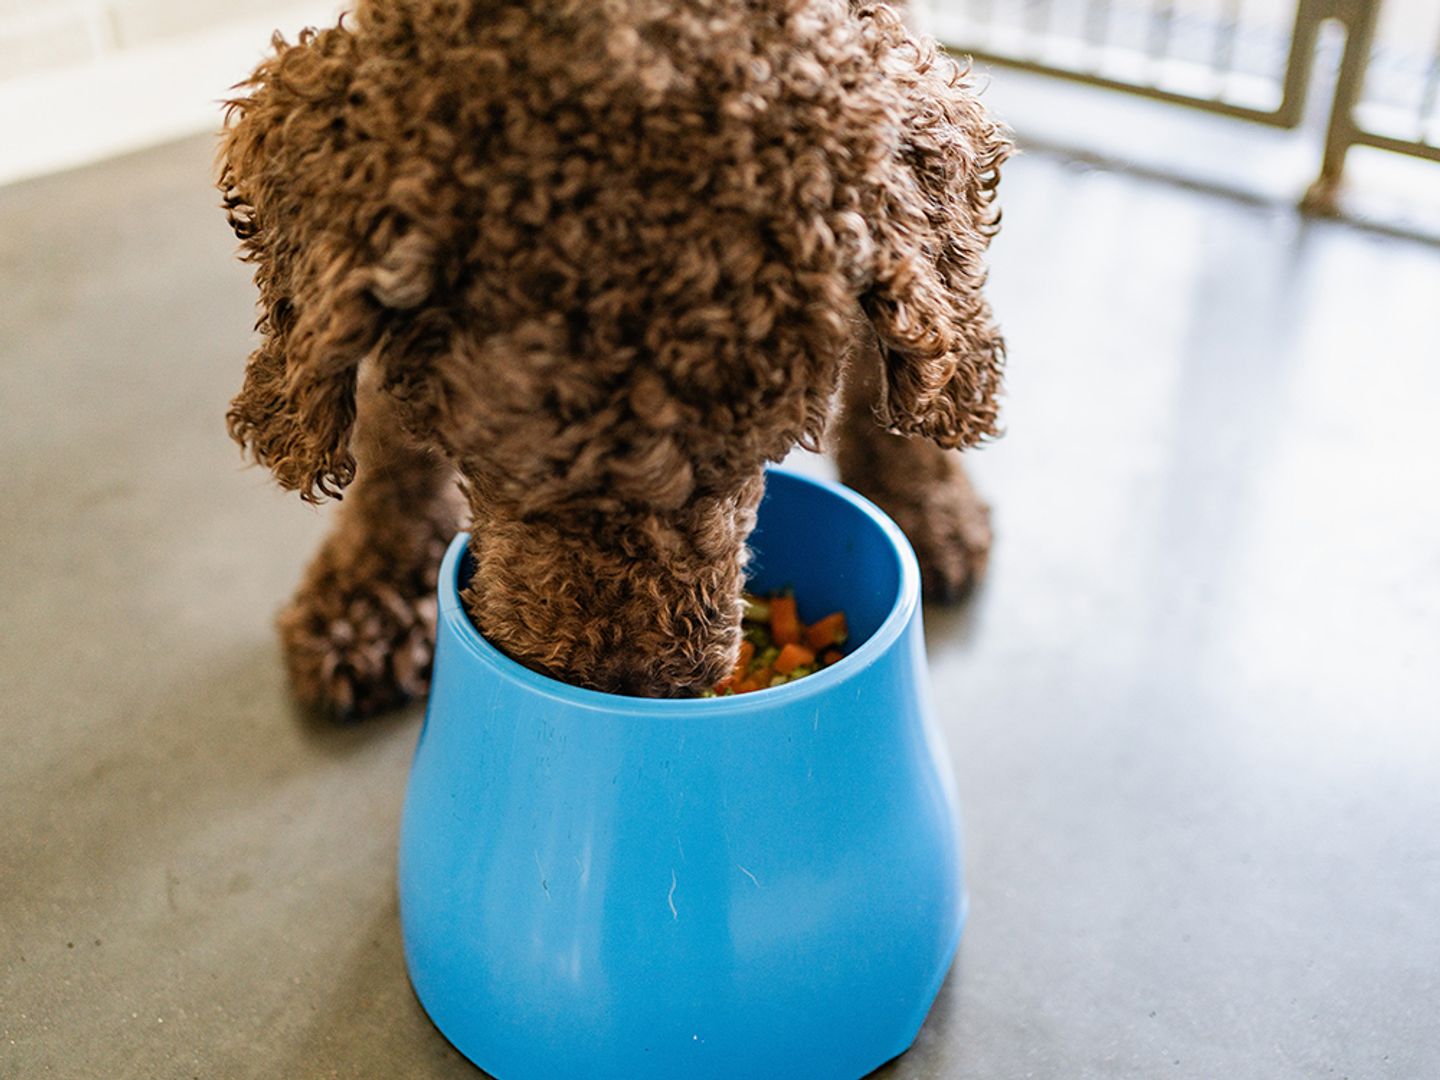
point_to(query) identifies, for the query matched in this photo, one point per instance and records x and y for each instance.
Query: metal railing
(1390, 99)
(1249, 59)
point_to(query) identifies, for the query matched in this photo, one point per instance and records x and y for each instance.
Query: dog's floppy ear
(279, 159)
(931, 219)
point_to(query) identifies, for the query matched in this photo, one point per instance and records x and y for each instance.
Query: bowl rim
(453, 618)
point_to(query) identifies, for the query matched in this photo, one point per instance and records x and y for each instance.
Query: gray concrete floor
(1193, 714)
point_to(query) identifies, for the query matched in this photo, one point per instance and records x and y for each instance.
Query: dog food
(779, 648)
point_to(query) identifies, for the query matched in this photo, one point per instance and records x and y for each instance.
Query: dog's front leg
(922, 486)
(359, 634)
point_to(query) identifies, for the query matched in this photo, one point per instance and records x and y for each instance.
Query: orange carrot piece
(831, 630)
(737, 673)
(830, 656)
(747, 653)
(785, 625)
(759, 680)
(791, 657)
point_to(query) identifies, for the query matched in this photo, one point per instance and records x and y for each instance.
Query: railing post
(1359, 18)
(1300, 62)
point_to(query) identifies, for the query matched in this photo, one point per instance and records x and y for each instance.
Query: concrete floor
(1195, 713)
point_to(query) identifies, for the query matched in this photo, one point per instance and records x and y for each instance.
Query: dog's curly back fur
(610, 255)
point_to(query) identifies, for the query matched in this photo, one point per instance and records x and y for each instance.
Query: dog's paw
(951, 537)
(359, 635)
(947, 524)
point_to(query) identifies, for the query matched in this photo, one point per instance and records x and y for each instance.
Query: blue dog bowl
(759, 886)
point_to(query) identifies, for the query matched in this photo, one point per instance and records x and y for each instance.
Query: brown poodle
(602, 260)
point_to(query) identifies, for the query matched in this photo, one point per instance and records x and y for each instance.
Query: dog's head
(610, 258)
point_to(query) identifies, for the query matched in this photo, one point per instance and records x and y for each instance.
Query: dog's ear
(281, 156)
(931, 217)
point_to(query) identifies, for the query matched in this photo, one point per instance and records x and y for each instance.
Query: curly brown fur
(359, 633)
(921, 485)
(607, 258)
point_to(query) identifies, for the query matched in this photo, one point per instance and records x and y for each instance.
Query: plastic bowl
(766, 885)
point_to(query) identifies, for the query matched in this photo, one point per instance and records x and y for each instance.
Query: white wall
(81, 80)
